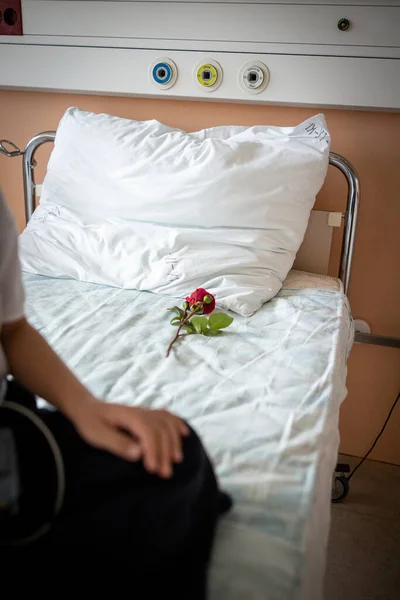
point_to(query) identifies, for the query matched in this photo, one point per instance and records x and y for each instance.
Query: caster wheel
(340, 488)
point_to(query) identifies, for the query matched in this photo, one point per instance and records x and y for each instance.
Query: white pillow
(141, 205)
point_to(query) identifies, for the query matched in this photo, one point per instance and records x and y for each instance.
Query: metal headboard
(28, 165)
(350, 216)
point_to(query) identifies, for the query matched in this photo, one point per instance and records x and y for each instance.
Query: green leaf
(175, 321)
(176, 310)
(210, 332)
(200, 324)
(189, 328)
(219, 321)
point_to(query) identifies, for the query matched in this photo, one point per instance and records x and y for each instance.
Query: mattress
(264, 397)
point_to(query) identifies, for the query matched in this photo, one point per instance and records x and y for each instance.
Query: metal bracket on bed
(338, 161)
(12, 152)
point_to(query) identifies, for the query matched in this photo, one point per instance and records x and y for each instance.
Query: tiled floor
(364, 547)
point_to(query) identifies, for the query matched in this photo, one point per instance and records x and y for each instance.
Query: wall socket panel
(10, 17)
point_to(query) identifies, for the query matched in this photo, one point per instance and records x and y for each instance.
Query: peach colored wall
(370, 140)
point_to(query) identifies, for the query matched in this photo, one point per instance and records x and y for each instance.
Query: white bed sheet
(264, 396)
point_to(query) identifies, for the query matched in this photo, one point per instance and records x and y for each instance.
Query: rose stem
(183, 322)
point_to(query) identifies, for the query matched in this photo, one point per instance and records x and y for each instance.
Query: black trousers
(121, 526)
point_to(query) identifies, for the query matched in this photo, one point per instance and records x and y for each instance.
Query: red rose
(206, 299)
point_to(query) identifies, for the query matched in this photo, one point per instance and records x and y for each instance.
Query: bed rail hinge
(13, 151)
(10, 153)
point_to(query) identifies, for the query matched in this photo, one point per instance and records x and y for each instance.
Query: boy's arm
(130, 433)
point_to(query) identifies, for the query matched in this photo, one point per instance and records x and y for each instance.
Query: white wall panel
(330, 2)
(108, 46)
(277, 23)
(300, 80)
(206, 46)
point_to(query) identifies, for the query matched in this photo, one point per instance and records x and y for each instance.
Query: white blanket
(264, 397)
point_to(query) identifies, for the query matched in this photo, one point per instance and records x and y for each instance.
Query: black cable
(376, 439)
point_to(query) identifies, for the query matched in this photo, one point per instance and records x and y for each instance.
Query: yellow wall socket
(208, 75)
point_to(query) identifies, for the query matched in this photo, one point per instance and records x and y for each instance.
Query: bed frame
(349, 216)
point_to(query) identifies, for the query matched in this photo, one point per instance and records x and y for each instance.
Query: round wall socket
(208, 75)
(163, 73)
(254, 77)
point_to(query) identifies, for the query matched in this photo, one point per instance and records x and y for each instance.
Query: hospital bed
(265, 399)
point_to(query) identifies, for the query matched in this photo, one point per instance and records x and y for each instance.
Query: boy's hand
(133, 433)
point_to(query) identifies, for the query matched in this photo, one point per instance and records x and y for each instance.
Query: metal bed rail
(336, 160)
(350, 216)
(28, 166)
